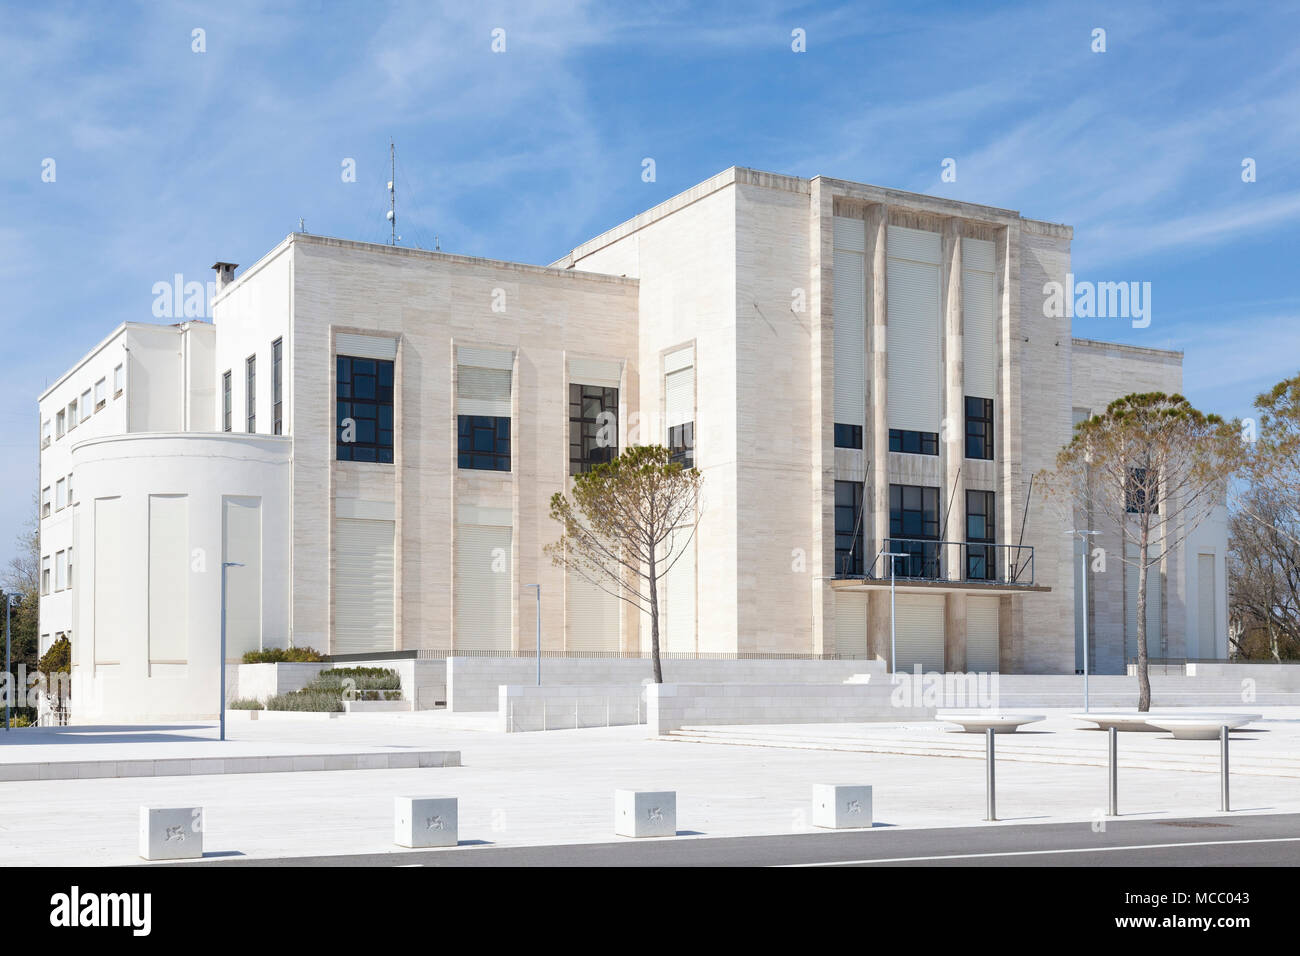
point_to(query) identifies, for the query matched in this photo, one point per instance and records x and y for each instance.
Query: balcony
(977, 563)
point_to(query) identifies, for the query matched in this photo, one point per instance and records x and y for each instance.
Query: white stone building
(373, 433)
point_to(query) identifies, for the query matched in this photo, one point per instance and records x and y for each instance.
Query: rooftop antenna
(392, 193)
(437, 246)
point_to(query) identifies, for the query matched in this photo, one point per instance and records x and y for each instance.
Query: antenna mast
(392, 192)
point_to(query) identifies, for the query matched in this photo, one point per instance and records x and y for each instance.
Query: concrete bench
(171, 833)
(1136, 721)
(1201, 727)
(645, 813)
(977, 721)
(838, 806)
(420, 822)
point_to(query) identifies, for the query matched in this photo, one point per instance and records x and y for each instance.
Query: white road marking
(1088, 849)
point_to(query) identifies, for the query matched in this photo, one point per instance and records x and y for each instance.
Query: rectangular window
(60, 494)
(681, 444)
(225, 401)
(277, 387)
(848, 436)
(593, 426)
(250, 392)
(60, 570)
(45, 502)
(364, 409)
(101, 393)
(71, 500)
(483, 442)
(119, 380)
(86, 408)
(69, 567)
(59, 419)
(913, 443)
(981, 525)
(45, 433)
(1143, 492)
(45, 574)
(849, 532)
(979, 428)
(913, 526)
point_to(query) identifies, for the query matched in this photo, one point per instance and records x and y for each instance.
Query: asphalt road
(1264, 840)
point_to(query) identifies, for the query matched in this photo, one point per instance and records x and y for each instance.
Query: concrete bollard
(645, 813)
(420, 822)
(171, 833)
(841, 806)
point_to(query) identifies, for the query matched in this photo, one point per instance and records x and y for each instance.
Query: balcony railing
(975, 561)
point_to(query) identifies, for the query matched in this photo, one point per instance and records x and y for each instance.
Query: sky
(173, 149)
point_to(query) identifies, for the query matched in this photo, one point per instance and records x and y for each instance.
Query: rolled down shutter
(364, 585)
(595, 372)
(918, 625)
(482, 391)
(679, 397)
(850, 317)
(979, 315)
(981, 634)
(365, 346)
(850, 624)
(915, 326)
(592, 616)
(483, 588)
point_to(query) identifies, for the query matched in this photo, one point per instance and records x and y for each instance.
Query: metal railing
(974, 561)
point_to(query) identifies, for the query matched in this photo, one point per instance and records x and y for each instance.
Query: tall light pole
(1083, 536)
(221, 704)
(893, 657)
(539, 631)
(9, 677)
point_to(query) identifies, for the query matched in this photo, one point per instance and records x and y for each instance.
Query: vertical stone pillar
(876, 439)
(954, 631)
(952, 432)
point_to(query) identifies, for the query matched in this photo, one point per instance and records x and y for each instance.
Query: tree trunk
(654, 622)
(1144, 677)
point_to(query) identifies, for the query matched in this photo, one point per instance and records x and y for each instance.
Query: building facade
(375, 433)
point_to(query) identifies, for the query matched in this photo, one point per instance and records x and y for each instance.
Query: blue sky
(167, 159)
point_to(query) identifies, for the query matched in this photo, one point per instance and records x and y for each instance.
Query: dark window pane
(369, 407)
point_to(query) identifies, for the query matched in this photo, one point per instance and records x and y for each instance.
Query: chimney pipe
(225, 273)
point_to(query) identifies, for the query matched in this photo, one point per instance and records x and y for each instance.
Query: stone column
(952, 431)
(954, 631)
(876, 439)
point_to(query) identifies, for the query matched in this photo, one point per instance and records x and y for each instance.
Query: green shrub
(244, 703)
(307, 699)
(19, 720)
(283, 655)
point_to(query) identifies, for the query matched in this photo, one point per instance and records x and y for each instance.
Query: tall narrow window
(45, 574)
(45, 501)
(250, 392)
(277, 387)
(679, 405)
(59, 429)
(483, 407)
(86, 408)
(981, 522)
(119, 380)
(225, 401)
(914, 530)
(593, 426)
(364, 409)
(849, 533)
(979, 428)
(45, 433)
(101, 393)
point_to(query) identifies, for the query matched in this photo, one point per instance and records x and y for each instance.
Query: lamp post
(221, 704)
(893, 657)
(539, 631)
(1083, 536)
(9, 677)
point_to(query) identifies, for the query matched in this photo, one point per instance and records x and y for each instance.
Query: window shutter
(850, 317)
(850, 624)
(979, 318)
(981, 634)
(482, 391)
(483, 588)
(592, 616)
(364, 585)
(679, 397)
(915, 326)
(918, 627)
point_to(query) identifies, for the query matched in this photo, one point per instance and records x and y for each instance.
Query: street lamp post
(893, 657)
(221, 704)
(9, 677)
(539, 631)
(1083, 536)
